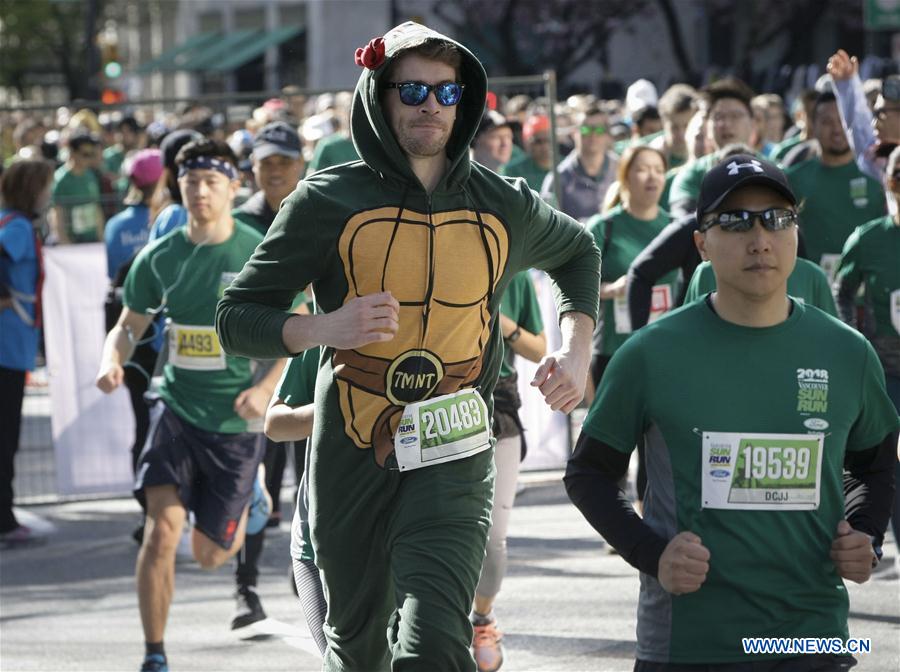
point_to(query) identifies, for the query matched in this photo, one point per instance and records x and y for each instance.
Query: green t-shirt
(691, 375)
(781, 150)
(200, 381)
(525, 167)
(807, 283)
(331, 151)
(833, 202)
(871, 258)
(297, 386)
(113, 157)
(667, 188)
(79, 197)
(621, 238)
(686, 182)
(520, 304)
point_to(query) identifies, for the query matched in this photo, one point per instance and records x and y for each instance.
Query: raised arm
(855, 113)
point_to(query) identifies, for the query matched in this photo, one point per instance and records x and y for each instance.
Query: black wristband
(514, 336)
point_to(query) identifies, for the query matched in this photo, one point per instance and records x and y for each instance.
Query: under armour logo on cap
(736, 172)
(734, 167)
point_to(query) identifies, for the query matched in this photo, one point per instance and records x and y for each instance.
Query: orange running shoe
(487, 647)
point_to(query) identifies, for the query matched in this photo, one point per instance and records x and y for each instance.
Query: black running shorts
(213, 472)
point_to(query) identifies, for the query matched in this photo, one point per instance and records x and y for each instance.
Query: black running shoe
(154, 662)
(248, 608)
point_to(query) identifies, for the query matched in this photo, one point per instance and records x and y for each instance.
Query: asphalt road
(566, 604)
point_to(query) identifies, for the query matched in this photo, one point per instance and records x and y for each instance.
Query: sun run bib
(772, 472)
(195, 347)
(660, 304)
(85, 218)
(443, 429)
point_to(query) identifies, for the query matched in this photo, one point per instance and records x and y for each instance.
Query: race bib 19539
(442, 429)
(778, 472)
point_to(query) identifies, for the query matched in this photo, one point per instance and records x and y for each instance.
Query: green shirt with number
(833, 202)
(690, 375)
(190, 280)
(78, 196)
(871, 259)
(622, 237)
(807, 283)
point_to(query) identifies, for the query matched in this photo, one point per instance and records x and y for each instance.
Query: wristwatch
(879, 552)
(514, 336)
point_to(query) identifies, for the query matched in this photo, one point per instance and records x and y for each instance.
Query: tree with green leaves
(41, 37)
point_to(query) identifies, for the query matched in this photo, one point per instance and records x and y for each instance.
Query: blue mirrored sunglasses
(415, 93)
(772, 219)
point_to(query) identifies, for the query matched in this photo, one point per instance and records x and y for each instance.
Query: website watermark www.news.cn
(799, 646)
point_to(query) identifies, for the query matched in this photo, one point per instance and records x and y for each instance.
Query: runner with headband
(199, 455)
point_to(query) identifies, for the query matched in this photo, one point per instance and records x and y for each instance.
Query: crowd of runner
(356, 270)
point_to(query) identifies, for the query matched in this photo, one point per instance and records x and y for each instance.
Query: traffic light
(112, 71)
(112, 67)
(112, 96)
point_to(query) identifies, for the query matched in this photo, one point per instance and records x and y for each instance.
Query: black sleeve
(845, 289)
(665, 253)
(869, 487)
(592, 477)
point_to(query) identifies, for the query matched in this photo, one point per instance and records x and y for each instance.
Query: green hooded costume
(402, 551)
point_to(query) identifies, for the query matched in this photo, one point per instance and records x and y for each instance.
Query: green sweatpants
(400, 554)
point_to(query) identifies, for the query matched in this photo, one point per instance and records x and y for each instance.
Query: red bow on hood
(372, 55)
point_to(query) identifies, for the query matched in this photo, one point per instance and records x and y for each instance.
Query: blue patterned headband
(207, 163)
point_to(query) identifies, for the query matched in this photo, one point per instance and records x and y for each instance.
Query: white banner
(92, 432)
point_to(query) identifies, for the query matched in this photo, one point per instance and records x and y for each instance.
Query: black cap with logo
(276, 138)
(734, 172)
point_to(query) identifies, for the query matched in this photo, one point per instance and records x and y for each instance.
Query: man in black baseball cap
(744, 400)
(747, 220)
(735, 172)
(277, 168)
(492, 145)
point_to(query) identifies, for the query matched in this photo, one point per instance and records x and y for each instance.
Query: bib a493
(774, 472)
(442, 429)
(195, 347)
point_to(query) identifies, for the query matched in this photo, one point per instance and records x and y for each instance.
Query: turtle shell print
(443, 268)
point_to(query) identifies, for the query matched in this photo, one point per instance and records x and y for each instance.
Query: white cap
(641, 94)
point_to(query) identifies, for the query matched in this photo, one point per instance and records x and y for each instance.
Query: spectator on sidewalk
(25, 192)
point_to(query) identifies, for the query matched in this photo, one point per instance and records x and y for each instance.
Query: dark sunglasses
(415, 93)
(596, 130)
(739, 221)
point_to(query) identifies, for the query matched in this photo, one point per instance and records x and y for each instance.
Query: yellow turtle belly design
(442, 270)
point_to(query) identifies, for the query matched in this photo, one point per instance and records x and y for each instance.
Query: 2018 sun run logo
(812, 393)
